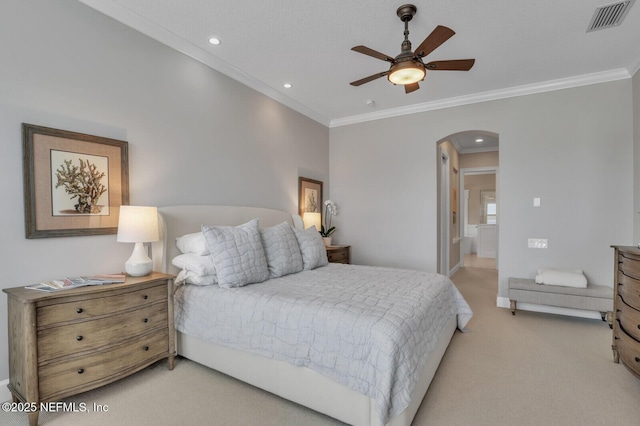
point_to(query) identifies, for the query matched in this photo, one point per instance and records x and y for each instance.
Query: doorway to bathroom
(479, 225)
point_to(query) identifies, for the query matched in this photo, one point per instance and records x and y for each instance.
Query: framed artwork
(74, 184)
(309, 195)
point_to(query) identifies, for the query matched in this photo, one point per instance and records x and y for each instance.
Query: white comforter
(371, 329)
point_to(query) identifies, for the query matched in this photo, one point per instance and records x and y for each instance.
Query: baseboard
(504, 302)
(5, 395)
(454, 270)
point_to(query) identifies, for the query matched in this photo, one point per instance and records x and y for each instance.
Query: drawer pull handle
(145, 297)
(637, 359)
(79, 310)
(80, 370)
(146, 348)
(79, 338)
(147, 320)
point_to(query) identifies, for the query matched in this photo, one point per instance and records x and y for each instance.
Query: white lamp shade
(138, 224)
(312, 219)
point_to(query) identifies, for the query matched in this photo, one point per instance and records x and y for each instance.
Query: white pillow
(281, 250)
(199, 265)
(314, 253)
(237, 252)
(189, 277)
(562, 277)
(192, 243)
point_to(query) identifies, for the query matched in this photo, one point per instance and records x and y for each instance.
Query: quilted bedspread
(368, 328)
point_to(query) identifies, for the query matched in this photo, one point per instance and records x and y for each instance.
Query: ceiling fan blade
(408, 88)
(454, 65)
(434, 40)
(368, 79)
(366, 51)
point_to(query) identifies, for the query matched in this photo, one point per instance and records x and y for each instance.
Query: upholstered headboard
(176, 221)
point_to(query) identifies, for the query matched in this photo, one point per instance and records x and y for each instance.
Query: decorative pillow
(562, 277)
(314, 254)
(281, 250)
(237, 253)
(188, 277)
(192, 243)
(199, 265)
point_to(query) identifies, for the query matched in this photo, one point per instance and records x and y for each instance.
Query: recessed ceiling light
(479, 140)
(214, 41)
(287, 85)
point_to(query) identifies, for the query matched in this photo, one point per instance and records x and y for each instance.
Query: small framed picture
(74, 184)
(309, 195)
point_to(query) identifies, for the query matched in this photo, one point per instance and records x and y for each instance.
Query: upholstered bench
(593, 298)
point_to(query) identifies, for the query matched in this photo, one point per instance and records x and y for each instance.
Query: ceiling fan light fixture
(406, 72)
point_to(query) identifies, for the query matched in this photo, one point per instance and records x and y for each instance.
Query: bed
(323, 383)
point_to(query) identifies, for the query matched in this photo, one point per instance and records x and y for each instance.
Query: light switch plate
(536, 202)
(538, 243)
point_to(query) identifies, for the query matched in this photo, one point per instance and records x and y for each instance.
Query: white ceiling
(520, 47)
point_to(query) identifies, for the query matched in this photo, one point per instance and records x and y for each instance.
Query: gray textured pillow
(314, 253)
(281, 250)
(237, 254)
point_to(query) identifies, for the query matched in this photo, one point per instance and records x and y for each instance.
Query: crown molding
(634, 66)
(144, 26)
(529, 89)
(156, 32)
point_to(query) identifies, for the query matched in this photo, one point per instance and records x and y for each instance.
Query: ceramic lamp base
(139, 264)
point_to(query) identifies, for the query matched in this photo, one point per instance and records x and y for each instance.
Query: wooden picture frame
(74, 183)
(309, 196)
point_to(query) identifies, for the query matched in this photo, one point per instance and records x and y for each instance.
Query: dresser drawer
(629, 319)
(91, 335)
(338, 254)
(629, 350)
(629, 264)
(98, 305)
(99, 368)
(629, 290)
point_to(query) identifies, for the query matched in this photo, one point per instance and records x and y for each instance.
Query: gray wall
(573, 148)
(195, 136)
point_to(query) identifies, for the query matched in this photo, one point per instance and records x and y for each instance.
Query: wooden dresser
(70, 341)
(339, 254)
(626, 324)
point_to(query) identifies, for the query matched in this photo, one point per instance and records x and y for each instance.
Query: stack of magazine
(75, 282)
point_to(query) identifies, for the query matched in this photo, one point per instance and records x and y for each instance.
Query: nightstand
(339, 254)
(70, 341)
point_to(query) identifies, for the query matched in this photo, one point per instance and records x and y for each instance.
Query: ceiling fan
(408, 68)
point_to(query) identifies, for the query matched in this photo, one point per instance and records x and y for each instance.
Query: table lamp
(312, 219)
(139, 225)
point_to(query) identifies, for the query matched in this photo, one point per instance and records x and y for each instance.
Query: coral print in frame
(74, 183)
(309, 195)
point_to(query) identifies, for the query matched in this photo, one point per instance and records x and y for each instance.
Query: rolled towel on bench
(562, 277)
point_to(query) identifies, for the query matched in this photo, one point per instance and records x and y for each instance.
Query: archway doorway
(466, 153)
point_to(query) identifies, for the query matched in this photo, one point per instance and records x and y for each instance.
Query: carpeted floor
(528, 369)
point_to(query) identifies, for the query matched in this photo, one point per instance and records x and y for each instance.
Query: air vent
(610, 15)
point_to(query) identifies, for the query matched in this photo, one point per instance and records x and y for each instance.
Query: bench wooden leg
(609, 317)
(513, 307)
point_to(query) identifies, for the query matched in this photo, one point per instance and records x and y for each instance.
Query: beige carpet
(528, 369)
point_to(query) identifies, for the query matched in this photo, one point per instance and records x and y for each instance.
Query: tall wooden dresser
(626, 308)
(70, 341)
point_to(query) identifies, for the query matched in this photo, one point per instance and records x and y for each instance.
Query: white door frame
(445, 187)
(482, 171)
